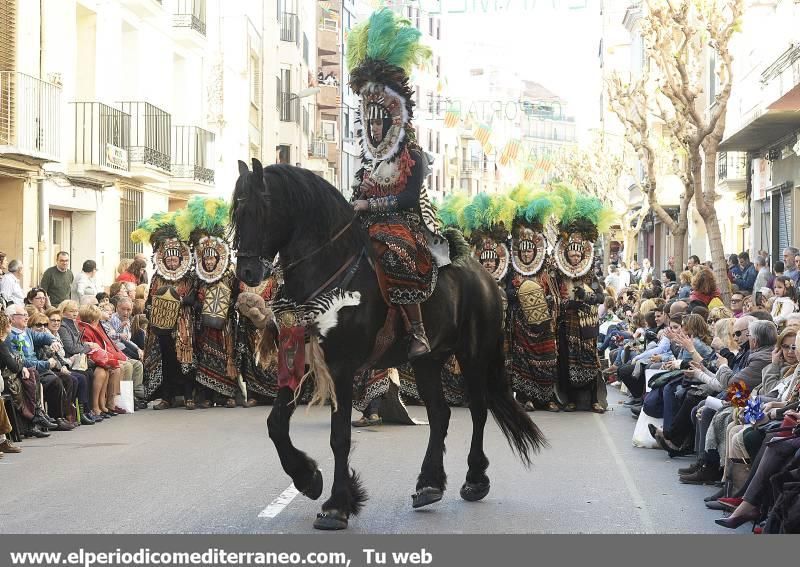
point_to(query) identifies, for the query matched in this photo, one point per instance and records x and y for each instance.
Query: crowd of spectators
(718, 382)
(67, 346)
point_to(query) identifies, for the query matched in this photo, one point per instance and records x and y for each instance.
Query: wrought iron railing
(30, 115)
(151, 132)
(731, 165)
(289, 27)
(318, 149)
(102, 135)
(192, 153)
(190, 14)
(290, 108)
(470, 166)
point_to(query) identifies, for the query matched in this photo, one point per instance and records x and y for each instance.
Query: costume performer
(391, 195)
(169, 365)
(531, 293)
(203, 222)
(579, 294)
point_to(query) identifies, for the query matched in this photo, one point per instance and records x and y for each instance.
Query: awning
(780, 119)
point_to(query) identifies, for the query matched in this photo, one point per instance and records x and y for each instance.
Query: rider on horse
(390, 191)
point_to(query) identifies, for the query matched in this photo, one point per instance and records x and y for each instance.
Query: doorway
(60, 233)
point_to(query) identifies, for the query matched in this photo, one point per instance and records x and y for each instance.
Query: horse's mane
(314, 203)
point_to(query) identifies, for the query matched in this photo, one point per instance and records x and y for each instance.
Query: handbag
(80, 362)
(101, 358)
(787, 426)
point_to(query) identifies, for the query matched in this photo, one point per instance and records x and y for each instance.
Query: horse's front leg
(347, 494)
(299, 466)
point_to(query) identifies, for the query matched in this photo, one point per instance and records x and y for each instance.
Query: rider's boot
(419, 341)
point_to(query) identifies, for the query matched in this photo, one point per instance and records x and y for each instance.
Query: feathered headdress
(155, 229)
(582, 213)
(202, 216)
(387, 39)
(451, 211)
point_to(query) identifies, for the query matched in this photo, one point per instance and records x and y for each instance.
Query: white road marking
(638, 501)
(276, 506)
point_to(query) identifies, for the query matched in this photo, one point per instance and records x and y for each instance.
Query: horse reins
(321, 248)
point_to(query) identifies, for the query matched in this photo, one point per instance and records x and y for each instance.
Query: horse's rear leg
(299, 466)
(347, 493)
(476, 486)
(432, 479)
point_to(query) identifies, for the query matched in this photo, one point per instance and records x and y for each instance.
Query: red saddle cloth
(291, 356)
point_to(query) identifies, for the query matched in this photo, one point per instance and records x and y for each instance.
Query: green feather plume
(583, 209)
(477, 212)
(387, 37)
(452, 209)
(541, 205)
(502, 210)
(521, 195)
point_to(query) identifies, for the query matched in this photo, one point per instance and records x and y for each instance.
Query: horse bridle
(268, 264)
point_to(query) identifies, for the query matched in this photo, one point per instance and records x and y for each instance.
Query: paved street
(216, 471)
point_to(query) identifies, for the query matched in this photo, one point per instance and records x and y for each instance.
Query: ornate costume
(399, 218)
(215, 318)
(579, 293)
(168, 353)
(261, 383)
(531, 293)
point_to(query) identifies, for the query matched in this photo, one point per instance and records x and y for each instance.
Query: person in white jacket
(86, 282)
(784, 304)
(10, 286)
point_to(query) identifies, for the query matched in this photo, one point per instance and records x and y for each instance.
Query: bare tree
(633, 102)
(596, 169)
(679, 37)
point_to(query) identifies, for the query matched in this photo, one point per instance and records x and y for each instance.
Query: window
(130, 213)
(254, 73)
(346, 126)
(329, 130)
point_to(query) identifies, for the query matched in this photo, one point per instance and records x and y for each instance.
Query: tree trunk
(679, 246)
(705, 201)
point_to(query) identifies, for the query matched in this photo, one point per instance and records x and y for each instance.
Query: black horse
(291, 211)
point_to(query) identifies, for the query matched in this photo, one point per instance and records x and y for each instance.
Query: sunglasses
(39, 326)
(739, 333)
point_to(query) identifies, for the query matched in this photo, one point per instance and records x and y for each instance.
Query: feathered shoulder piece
(582, 213)
(203, 216)
(387, 38)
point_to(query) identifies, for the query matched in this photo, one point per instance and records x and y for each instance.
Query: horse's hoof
(474, 491)
(330, 520)
(426, 495)
(315, 489)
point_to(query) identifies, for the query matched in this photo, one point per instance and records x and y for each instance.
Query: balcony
(470, 167)
(150, 140)
(29, 117)
(290, 27)
(328, 96)
(289, 107)
(318, 149)
(732, 171)
(192, 159)
(189, 21)
(102, 138)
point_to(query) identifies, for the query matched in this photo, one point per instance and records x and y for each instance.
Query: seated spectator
(10, 284)
(80, 377)
(86, 282)
(119, 330)
(106, 356)
(133, 273)
(139, 326)
(26, 342)
(122, 267)
(141, 292)
(102, 298)
(130, 290)
(717, 314)
(70, 337)
(139, 307)
(11, 366)
(668, 276)
(37, 297)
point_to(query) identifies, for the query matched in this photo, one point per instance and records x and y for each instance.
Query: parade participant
(260, 376)
(203, 223)
(532, 352)
(391, 195)
(168, 352)
(582, 219)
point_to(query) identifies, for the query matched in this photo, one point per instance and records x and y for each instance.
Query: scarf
(705, 298)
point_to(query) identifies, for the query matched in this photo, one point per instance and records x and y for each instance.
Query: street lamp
(305, 93)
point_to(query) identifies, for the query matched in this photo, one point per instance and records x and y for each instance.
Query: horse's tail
(524, 436)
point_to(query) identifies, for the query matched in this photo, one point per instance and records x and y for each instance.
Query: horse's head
(258, 230)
